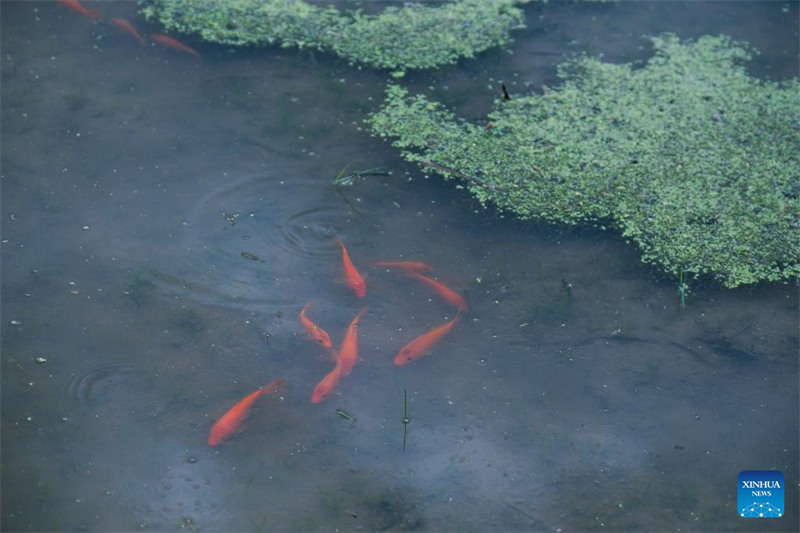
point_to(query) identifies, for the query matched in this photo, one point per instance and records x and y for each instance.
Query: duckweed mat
(687, 156)
(415, 36)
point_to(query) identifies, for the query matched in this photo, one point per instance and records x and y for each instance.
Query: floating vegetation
(416, 36)
(687, 156)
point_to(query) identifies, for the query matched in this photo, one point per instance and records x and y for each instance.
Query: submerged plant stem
(406, 420)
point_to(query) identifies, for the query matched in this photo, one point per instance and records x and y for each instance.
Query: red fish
(423, 344)
(316, 332)
(325, 387)
(348, 352)
(354, 279)
(76, 6)
(231, 421)
(166, 40)
(408, 266)
(449, 295)
(124, 25)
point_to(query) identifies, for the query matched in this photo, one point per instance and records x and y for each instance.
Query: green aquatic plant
(345, 178)
(553, 304)
(687, 156)
(139, 287)
(415, 36)
(75, 99)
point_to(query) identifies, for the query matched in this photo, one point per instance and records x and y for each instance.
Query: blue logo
(760, 494)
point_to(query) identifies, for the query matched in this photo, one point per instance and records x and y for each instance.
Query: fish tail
(273, 387)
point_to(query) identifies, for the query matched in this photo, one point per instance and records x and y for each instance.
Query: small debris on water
(344, 415)
(231, 218)
(40, 360)
(252, 257)
(191, 460)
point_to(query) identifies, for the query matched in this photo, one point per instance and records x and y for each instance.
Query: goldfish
(408, 266)
(316, 332)
(124, 25)
(325, 387)
(354, 279)
(231, 421)
(423, 344)
(166, 40)
(348, 352)
(76, 6)
(449, 295)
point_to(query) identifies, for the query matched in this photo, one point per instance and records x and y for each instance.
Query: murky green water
(572, 396)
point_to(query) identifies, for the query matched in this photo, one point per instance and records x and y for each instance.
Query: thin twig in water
(349, 179)
(464, 177)
(187, 522)
(406, 420)
(343, 179)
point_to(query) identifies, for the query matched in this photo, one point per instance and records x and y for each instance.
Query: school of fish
(346, 357)
(127, 27)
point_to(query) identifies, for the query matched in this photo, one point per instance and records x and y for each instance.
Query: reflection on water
(164, 222)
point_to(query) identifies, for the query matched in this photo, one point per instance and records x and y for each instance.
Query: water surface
(165, 219)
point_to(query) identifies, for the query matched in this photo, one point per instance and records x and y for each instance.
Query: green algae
(416, 36)
(687, 156)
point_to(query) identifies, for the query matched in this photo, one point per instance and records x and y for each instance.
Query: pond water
(164, 219)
